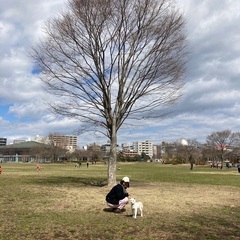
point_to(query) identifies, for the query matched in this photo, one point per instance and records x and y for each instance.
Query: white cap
(126, 179)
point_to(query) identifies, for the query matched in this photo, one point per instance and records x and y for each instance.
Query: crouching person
(117, 198)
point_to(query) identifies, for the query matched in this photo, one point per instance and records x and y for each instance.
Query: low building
(129, 154)
(21, 152)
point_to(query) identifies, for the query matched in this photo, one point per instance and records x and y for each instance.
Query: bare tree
(189, 152)
(223, 141)
(55, 148)
(209, 153)
(112, 60)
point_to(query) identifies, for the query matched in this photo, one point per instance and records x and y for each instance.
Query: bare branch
(111, 60)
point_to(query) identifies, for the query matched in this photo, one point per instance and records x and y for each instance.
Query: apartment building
(127, 147)
(146, 147)
(94, 147)
(65, 141)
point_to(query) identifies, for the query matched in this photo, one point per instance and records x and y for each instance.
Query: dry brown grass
(168, 204)
(169, 199)
(36, 207)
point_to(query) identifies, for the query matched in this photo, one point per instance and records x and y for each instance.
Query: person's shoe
(117, 210)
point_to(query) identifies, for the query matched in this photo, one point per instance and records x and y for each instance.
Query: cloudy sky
(211, 96)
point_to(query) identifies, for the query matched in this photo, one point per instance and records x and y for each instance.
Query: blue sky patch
(36, 71)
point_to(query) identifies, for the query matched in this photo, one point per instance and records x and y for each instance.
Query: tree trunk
(105, 61)
(112, 156)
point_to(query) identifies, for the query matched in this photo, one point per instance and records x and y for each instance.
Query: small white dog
(135, 207)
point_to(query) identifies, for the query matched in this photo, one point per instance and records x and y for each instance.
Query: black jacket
(117, 193)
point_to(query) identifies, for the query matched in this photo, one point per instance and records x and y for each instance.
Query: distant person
(191, 166)
(0, 170)
(221, 166)
(87, 164)
(191, 162)
(38, 167)
(117, 198)
(238, 166)
(78, 165)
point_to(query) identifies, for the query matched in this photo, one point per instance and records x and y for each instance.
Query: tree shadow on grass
(79, 181)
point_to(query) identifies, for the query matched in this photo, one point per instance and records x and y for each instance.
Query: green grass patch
(64, 202)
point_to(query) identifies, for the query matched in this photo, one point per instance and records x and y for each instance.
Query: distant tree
(36, 153)
(81, 155)
(189, 152)
(209, 153)
(182, 154)
(120, 157)
(108, 61)
(95, 152)
(223, 141)
(144, 156)
(165, 158)
(137, 158)
(195, 149)
(54, 149)
(234, 154)
(157, 154)
(168, 151)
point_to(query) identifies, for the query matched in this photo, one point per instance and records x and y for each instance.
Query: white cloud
(210, 100)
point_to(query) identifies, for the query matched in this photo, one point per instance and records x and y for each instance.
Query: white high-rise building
(146, 147)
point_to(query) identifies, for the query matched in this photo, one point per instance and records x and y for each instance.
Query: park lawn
(64, 202)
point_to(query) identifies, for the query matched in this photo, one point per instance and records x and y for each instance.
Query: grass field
(64, 202)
